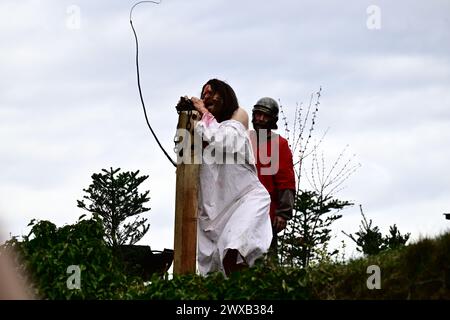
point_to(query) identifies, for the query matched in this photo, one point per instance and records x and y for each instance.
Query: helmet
(268, 106)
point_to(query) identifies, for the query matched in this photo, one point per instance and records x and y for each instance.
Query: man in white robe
(234, 226)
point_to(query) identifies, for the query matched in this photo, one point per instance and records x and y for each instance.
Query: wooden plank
(185, 240)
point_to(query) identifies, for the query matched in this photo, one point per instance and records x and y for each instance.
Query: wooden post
(185, 243)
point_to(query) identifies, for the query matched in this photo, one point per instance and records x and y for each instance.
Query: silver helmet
(270, 107)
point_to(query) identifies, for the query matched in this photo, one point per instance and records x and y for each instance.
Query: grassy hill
(417, 271)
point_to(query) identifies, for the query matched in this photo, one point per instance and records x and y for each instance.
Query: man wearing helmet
(274, 165)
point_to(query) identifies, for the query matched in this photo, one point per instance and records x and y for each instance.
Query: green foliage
(114, 197)
(308, 232)
(47, 252)
(416, 271)
(262, 281)
(395, 239)
(370, 241)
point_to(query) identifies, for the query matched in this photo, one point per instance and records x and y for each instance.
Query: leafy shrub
(114, 196)
(308, 232)
(370, 241)
(47, 252)
(260, 282)
(416, 271)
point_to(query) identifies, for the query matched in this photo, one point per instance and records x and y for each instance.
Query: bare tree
(315, 205)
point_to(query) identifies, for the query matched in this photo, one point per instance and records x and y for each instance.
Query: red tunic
(275, 169)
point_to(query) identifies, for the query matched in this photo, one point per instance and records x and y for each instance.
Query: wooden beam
(185, 243)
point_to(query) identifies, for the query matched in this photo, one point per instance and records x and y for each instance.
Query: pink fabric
(208, 118)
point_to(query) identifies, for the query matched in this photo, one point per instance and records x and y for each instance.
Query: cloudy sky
(69, 104)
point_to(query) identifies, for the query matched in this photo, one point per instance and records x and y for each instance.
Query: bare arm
(241, 116)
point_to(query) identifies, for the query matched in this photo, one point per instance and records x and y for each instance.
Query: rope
(139, 82)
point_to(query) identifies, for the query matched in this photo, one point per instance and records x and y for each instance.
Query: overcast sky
(69, 104)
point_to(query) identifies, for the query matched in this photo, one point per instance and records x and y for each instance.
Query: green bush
(47, 252)
(114, 196)
(417, 271)
(260, 282)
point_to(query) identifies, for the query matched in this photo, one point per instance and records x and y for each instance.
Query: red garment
(282, 174)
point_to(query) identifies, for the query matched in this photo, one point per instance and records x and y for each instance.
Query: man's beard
(260, 126)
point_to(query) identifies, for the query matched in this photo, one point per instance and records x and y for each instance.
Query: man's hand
(279, 223)
(199, 105)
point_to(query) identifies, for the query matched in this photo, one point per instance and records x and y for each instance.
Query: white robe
(233, 204)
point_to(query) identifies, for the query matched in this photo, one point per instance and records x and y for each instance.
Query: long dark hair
(230, 102)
